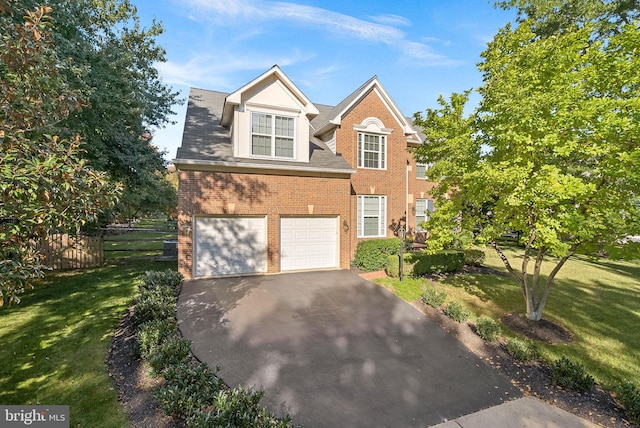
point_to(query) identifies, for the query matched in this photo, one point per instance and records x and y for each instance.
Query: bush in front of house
(372, 255)
(571, 374)
(488, 328)
(457, 312)
(419, 264)
(628, 395)
(433, 297)
(473, 257)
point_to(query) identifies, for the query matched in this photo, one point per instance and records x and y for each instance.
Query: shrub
(237, 408)
(433, 297)
(171, 351)
(372, 255)
(522, 350)
(188, 388)
(418, 264)
(154, 279)
(570, 374)
(440, 262)
(157, 294)
(474, 257)
(488, 329)
(154, 304)
(457, 312)
(152, 333)
(628, 395)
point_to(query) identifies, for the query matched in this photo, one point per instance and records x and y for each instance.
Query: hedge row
(418, 264)
(191, 390)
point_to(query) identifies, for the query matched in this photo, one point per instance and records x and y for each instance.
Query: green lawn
(598, 300)
(54, 343)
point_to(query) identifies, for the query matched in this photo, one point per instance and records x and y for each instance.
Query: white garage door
(229, 245)
(308, 243)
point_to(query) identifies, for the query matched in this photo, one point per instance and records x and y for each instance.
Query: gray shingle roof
(206, 142)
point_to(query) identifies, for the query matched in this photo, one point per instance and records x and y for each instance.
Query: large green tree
(45, 185)
(552, 150)
(112, 61)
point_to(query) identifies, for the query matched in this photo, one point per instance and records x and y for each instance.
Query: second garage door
(309, 243)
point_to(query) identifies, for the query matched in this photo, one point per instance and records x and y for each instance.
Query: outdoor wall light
(345, 226)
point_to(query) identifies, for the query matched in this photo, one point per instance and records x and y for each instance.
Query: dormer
(268, 119)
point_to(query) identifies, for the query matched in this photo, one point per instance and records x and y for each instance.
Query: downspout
(406, 199)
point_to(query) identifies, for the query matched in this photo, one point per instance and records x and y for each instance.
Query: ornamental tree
(552, 150)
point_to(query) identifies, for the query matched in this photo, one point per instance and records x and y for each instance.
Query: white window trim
(424, 214)
(382, 216)
(360, 149)
(273, 135)
(426, 168)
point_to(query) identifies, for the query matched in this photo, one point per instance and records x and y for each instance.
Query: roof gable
(274, 74)
(334, 118)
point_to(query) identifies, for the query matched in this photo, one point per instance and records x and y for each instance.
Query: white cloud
(208, 71)
(390, 19)
(383, 30)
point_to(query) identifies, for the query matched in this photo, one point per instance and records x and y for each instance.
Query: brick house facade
(270, 182)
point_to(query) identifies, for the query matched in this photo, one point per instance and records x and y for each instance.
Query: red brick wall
(389, 182)
(216, 193)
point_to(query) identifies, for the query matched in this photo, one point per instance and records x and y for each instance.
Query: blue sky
(419, 49)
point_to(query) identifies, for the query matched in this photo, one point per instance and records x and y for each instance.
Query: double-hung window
(372, 212)
(272, 135)
(372, 151)
(421, 170)
(423, 208)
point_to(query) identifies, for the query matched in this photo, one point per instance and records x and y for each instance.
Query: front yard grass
(54, 343)
(597, 300)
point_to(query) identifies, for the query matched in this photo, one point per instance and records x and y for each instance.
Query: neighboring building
(270, 182)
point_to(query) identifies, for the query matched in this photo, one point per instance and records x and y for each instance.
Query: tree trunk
(535, 296)
(534, 301)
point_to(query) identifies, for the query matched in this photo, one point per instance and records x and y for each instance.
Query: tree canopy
(111, 63)
(552, 150)
(45, 184)
(79, 92)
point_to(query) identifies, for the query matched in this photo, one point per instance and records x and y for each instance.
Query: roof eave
(255, 166)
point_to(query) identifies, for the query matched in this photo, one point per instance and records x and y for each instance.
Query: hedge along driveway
(333, 349)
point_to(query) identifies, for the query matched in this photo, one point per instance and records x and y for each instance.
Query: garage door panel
(308, 243)
(229, 245)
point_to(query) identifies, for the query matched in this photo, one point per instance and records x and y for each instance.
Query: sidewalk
(526, 412)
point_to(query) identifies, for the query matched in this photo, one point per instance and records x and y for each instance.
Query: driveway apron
(334, 350)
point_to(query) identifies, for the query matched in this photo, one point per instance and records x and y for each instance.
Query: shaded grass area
(597, 299)
(55, 342)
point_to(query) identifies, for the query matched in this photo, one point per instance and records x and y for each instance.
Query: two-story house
(271, 182)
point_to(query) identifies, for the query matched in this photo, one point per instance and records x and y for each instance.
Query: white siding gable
(271, 97)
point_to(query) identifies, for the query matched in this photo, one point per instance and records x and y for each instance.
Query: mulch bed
(131, 376)
(534, 378)
(543, 330)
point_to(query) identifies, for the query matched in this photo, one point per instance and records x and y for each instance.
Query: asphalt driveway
(334, 350)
